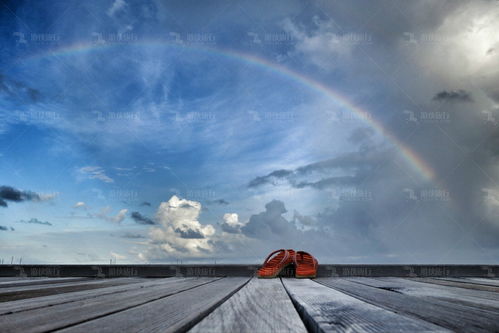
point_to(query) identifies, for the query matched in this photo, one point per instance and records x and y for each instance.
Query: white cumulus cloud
(179, 232)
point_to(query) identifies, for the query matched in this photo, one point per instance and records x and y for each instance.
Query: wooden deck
(247, 304)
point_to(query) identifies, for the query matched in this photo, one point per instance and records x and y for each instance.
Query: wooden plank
(37, 281)
(40, 302)
(479, 281)
(67, 314)
(461, 283)
(40, 281)
(175, 313)
(260, 306)
(16, 293)
(450, 315)
(328, 310)
(486, 299)
(56, 284)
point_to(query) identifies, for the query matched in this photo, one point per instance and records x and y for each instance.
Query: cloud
(3, 228)
(80, 204)
(453, 96)
(104, 214)
(36, 221)
(132, 236)
(141, 219)
(18, 90)
(269, 223)
(303, 219)
(95, 172)
(8, 193)
(270, 178)
(179, 232)
(116, 7)
(217, 202)
(188, 233)
(322, 43)
(145, 203)
(342, 170)
(231, 223)
(117, 255)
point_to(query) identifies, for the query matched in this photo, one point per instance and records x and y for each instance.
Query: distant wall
(110, 271)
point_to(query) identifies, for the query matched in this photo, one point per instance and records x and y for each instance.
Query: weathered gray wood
(58, 284)
(17, 282)
(451, 315)
(261, 306)
(410, 287)
(63, 315)
(461, 283)
(175, 313)
(480, 281)
(16, 293)
(40, 302)
(328, 310)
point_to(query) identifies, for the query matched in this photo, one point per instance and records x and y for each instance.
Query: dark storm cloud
(186, 205)
(329, 182)
(3, 228)
(453, 96)
(229, 228)
(36, 221)
(189, 233)
(8, 193)
(355, 163)
(141, 219)
(218, 202)
(269, 223)
(269, 179)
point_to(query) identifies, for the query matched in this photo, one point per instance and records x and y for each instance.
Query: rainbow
(411, 157)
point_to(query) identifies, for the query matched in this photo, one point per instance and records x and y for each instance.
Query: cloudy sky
(157, 131)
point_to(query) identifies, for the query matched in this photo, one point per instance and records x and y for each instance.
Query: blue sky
(148, 131)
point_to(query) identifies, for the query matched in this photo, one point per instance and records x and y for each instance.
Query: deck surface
(245, 304)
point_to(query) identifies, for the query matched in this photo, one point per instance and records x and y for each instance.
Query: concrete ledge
(109, 271)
